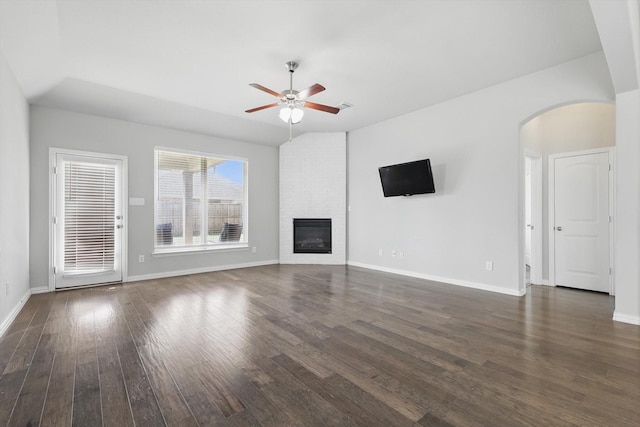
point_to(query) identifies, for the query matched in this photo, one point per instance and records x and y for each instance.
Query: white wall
(313, 184)
(627, 212)
(475, 214)
(63, 129)
(14, 196)
(564, 129)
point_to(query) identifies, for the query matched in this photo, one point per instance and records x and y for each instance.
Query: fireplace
(311, 236)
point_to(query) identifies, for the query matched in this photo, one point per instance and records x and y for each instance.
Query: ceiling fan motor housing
(291, 66)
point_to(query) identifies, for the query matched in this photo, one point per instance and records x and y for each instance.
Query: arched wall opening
(560, 129)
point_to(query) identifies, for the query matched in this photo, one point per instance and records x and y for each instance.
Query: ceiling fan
(292, 101)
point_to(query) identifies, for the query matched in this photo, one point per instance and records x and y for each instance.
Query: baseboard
(40, 290)
(544, 282)
(12, 315)
(207, 269)
(464, 283)
(626, 318)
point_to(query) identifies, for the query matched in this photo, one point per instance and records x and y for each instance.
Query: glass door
(88, 221)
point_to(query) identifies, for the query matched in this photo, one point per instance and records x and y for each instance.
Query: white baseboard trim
(40, 290)
(626, 318)
(208, 269)
(466, 284)
(12, 315)
(545, 282)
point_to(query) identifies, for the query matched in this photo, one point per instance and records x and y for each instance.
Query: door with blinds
(88, 220)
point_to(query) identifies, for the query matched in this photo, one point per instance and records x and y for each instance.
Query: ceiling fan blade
(275, 104)
(325, 108)
(310, 91)
(265, 89)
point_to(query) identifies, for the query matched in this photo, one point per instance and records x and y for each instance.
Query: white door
(581, 213)
(88, 206)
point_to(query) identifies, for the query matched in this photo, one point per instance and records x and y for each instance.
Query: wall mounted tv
(406, 179)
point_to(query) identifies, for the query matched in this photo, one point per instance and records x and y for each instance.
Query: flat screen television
(406, 179)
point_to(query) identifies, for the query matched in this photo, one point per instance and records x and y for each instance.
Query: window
(89, 217)
(200, 201)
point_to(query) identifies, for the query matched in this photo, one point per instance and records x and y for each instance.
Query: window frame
(169, 250)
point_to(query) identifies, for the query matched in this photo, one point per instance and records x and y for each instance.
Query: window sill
(160, 252)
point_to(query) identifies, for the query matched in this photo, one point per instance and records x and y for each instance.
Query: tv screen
(406, 179)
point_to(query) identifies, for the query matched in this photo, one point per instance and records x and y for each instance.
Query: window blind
(89, 217)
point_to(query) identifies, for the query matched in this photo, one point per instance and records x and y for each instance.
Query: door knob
(530, 227)
(559, 228)
(119, 226)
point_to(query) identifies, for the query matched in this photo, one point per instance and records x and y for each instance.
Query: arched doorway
(554, 133)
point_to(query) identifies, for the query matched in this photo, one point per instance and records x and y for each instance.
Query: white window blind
(89, 217)
(200, 200)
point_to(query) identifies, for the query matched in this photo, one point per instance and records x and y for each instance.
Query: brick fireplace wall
(313, 184)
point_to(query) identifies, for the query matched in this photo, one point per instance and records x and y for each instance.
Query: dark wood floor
(317, 346)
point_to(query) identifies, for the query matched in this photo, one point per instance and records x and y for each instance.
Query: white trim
(207, 269)
(40, 290)
(551, 207)
(536, 215)
(53, 152)
(464, 283)
(184, 250)
(626, 318)
(14, 313)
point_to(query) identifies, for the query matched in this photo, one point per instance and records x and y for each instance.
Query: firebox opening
(312, 235)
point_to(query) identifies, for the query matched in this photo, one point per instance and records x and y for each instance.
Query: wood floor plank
(171, 402)
(298, 401)
(113, 392)
(28, 407)
(144, 405)
(205, 411)
(10, 386)
(263, 409)
(355, 402)
(285, 345)
(59, 400)
(86, 395)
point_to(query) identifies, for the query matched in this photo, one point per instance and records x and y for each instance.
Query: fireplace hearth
(312, 235)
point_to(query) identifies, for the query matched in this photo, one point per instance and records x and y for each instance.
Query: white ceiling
(188, 64)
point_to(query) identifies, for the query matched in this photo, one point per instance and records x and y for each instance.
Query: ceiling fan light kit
(291, 113)
(292, 100)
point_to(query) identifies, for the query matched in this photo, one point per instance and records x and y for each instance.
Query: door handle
(530, 227)
(559, 228)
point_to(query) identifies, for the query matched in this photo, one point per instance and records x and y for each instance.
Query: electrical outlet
(254, 249)
(489, 266)
(393, 253)
(140, 258)
(379, 252)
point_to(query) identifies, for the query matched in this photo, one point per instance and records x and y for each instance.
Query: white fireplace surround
(313, 184)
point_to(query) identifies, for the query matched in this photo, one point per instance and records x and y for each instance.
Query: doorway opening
(568, 128)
